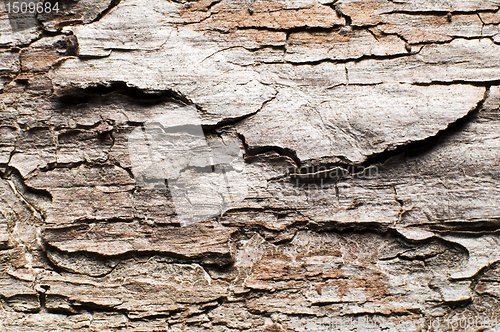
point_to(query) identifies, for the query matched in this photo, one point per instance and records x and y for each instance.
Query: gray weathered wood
(366, 154)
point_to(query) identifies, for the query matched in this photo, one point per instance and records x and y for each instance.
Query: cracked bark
(369, 131)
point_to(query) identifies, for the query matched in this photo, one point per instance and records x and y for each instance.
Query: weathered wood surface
(370, 132)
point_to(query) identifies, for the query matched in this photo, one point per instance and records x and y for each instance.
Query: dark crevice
(23, 298)
(51, 166)
(286, 152)
(229, 122)
(293, 30)
(482, 22)
(143, 96)
(348, 227)
(94, 307)
(374, 35)
(263, 209)
(486, 83)
(23, 189)
(50, 264)
(465, 227)
(109, 263)
(277, 237)
(423, 145)
(338, 11)
(264, 46)
(479, 276)
(447, 41)
(211, 5)
(391, 314)
(42, 299)
(407, 43)
(112, 5)
(221, 260)
(342, 169)
(355, 60)
(93, 57)
(476, 278)
(400, 202)
(437, 12)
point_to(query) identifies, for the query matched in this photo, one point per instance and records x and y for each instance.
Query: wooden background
(409, 89)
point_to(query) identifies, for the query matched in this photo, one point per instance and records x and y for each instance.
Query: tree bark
(346, 176)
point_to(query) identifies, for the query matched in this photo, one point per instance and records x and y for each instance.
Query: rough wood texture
(369, 131)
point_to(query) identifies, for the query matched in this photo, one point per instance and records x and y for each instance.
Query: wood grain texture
(364, 143)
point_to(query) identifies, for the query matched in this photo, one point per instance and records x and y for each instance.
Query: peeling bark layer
(369, 131)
